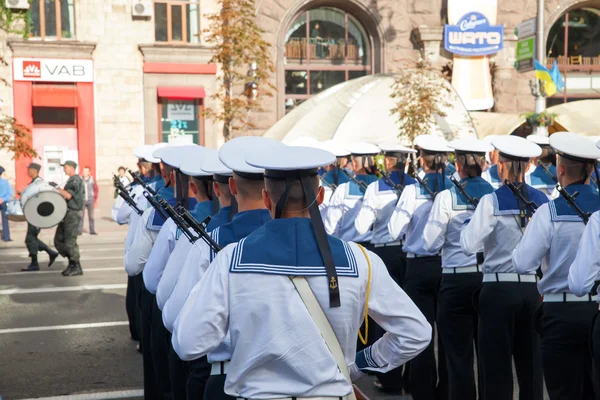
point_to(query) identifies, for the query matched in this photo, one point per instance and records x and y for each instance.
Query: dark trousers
(506, 311)
(89, 207)
(35, 245)
(177, 373)
(457, 324)
(5, 228)
(595, 341)
(160, 338)
(215, 388)
(151, 390)
(421, 283)
(138, 284)
(565, 330)
(198, 372)
(395, 261)
(131, 306)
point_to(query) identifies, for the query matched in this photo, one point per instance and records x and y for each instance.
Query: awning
(48, 95)
(181, 93)
(491, 123)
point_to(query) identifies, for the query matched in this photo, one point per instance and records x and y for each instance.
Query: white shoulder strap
(318, 315)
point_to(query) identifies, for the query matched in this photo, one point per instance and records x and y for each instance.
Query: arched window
(323, 47)
(574, 43)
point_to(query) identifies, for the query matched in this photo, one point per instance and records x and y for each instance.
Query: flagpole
(540, 101)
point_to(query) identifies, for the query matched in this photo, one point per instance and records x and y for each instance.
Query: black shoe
(386, 389)
(94, 233)
(70, 266)
(75, 270)
(31, 267)
(53, 257)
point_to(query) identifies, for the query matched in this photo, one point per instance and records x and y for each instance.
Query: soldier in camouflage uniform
(35, 245)
(65, 239)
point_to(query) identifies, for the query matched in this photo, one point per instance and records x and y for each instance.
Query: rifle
(422, 182)
(325, 183)
(173, 215)
(547, 171)
(122, 191)
(361, 184)
(149, 194)
(396, 186)
(528, 203)
(200, 228)
(461, 187)
(571, 201)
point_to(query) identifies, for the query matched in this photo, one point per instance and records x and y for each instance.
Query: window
(180, 121)
(54, 116)
(52, 19)
(177, 21)
(573, 42)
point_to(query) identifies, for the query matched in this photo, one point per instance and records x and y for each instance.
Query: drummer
(35, 245)
(6, 193)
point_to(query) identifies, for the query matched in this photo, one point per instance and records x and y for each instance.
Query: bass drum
(14, 212)
(43, 206)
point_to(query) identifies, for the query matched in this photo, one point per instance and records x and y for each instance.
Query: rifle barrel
(474, 201)
(571, 201)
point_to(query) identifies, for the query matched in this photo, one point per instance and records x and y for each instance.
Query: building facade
(97, 78)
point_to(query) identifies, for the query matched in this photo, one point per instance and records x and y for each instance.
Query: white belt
(462, 270)
(413, 255)
(303, 398)
(567, 298)
(396, 243)
(219, 368)
(508, 277)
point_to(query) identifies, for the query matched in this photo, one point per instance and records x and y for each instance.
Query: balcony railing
(296, 49)
(575, 63)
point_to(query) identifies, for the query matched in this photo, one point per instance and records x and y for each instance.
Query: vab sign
(473, 36)
(53, 70)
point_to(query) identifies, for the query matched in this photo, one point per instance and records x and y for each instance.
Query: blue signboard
(473, 36)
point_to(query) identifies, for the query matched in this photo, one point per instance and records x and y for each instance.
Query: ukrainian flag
(544, 75)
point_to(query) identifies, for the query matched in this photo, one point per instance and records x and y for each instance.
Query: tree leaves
(238, 43)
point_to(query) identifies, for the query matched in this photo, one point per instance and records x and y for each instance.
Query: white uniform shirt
(161, 250)
(409, 218)
(552, 245)
(125, 211)
(137, 255)
(497, 235)
(549, 190)
(586, 266)
(442, 232)
(278, 350)
(375, 211)
(342, 210)
(172, 270)
(193, 267)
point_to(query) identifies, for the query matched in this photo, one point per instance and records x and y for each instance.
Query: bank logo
(473, 36)
(32, 69)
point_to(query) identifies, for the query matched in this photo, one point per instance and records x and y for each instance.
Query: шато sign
(53, 70)
(473, 36)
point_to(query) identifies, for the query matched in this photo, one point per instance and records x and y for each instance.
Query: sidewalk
(108, 230)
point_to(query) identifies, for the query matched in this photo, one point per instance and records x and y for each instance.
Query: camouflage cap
(69, 162)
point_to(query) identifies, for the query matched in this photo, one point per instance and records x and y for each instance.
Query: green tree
(420, 94)
(245, 66)
(14, 137)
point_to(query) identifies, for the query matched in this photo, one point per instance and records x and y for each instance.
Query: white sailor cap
(234, 153)
(470, 146)
(213, 165)
(288, 159)
(539, 140)
(174, 156)
(305, 141)
(335, 147)
(363, 149)
(490, 138)
(193, 159)
(598, 144)
(516, 148)
(395, 147)
(141, 151)
(575, 147)
(432, 144)
(159, 148)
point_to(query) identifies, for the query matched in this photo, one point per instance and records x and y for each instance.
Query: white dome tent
(359, 109)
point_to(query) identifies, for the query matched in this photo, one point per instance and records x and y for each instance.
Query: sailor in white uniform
(461, 273)
(247, 184)
(541, 175)
(490, 174)
(334, 177)
(254, 280)
(347, 199)
(551, 240)
(507, 301)
(423, 267)
(136, 255)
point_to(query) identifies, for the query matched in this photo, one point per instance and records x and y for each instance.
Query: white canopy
(359, 109)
